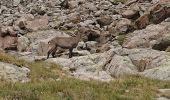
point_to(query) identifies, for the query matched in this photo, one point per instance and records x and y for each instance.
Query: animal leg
(70, 52)
(54, 51)
(50, 51)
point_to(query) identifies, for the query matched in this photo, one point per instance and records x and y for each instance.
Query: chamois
(63, 42)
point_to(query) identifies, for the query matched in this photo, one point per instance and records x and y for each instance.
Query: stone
(159, 15)
(98, 13)
(13, 73)
(73, 4)
(8, 43)
(142, 21)
(104, 20)
(91, 46)
(42, 10)
(164, 93)
(145, 59)
(23, 43)
(3, 31)
(162, 44)
(161, 73)
(123, 26)
(37, 24)
(74, 18)
(120, 65)
(86, 67)
(21, 22)
(43, 47)
(16, 2)
(143, 38)
(130, 14)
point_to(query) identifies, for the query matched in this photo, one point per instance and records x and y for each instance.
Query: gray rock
(145, 59)
(121, 65)
(16, 2)
(143, 38)
(23, 43)
(42, 10)
(123, 26)
(86, 67)
(91, 46)
(162, 72)
(12, 73)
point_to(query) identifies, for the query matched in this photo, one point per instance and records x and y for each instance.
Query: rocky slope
(119, 37)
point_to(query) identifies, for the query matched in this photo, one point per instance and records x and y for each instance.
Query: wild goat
(63, 42)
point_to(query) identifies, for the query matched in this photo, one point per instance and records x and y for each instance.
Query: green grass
(121, 39)
(48, 83)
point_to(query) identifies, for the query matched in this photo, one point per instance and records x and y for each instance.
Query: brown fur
(63, 42)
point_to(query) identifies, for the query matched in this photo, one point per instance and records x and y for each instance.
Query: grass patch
(121, 39)
(45, 86)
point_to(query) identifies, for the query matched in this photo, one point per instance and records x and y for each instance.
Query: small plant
(121, 39)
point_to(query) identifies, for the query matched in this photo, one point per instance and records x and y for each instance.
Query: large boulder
(21, 22)
(146, 38)
(150, 63)
(37, 24)
(86, 67)
(23, 43)
(13, 73)
(145, 59)
(161, 72)
(8, 38)
(121, 65)
(29, 23)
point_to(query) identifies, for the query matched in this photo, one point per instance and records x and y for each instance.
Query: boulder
(163, 43)
(13, 73)
(91, 46)
(37, 24)
(7, 30)
(130, 14)
(21, 22)
(23, 43)
(159, 15)
(8, 43)
(145, 59)
(121, 65)
(42, 10)
(104, 20)
(142, 21)
(123, 26)
(28, 22)
(86, 67)
(74, 18)
(161, 73)
(16, 2)
(145, 38)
